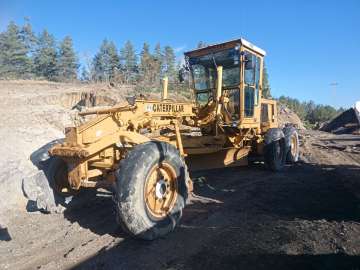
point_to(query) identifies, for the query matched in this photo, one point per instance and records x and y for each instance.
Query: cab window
(252, 65)
(249, 101)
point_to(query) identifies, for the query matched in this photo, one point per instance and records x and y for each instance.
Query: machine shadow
(277, 261)
(4, 234)
(313, 192)
(132, 254)
(303, 191)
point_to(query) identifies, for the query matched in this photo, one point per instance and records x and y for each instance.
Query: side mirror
(249, 63)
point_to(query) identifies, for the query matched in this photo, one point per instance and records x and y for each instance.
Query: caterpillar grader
(144, 148)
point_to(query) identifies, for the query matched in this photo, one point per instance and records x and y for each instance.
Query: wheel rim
(161, 190)
(293, 145)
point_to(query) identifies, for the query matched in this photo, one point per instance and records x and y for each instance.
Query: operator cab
(241, 64)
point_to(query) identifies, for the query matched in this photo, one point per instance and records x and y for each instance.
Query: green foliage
(159, 58)
(169, 63)
(309, 112)
(28, 36)
(45, 57)
(30, 40)
(149, 67)
(106, 62)
(14, 60)
(129, 62)
(85, 74)
(67, 62)
(24, 55)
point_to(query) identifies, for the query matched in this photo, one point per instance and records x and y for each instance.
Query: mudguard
(273, 134)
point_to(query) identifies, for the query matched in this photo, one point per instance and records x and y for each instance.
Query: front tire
(151, 190)
(292, 144)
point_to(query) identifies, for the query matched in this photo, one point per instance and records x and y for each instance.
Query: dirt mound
(287, 116)
(346, 123)
(34, 113)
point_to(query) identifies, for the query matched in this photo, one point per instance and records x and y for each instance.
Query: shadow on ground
(4, 234)
(276, 261)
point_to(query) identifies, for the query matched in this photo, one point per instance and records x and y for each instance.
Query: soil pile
(287, 116)
(347, 122)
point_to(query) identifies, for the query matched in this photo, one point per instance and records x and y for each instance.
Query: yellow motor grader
(144, 147)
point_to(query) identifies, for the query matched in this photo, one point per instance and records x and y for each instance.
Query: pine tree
(106, 62)
(28, 36)
(14, 60)
(30, 41)
(67, 62)
(145, 63)
(266, 89)
(45, 57)
(159, 61)
(114, 59)
(169, 63)
(129, 62)
(85, 74)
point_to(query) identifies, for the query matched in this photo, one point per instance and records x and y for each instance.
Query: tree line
(125, 66)
(310, 112)
(27, 55)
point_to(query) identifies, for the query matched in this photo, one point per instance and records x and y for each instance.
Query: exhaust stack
(165, 88)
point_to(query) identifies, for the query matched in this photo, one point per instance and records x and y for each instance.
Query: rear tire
(275, 155)
(151, 190)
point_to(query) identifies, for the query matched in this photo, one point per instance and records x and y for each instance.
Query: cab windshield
(204, 69)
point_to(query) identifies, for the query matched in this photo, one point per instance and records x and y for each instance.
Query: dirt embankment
(32, 114)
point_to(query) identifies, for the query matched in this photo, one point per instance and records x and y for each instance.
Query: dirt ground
(306, 217)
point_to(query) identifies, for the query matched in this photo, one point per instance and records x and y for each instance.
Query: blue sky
(309, 44)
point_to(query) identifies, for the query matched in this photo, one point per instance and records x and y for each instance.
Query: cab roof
(225, 45)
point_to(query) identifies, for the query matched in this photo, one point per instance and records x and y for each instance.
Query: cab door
(251, 90)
